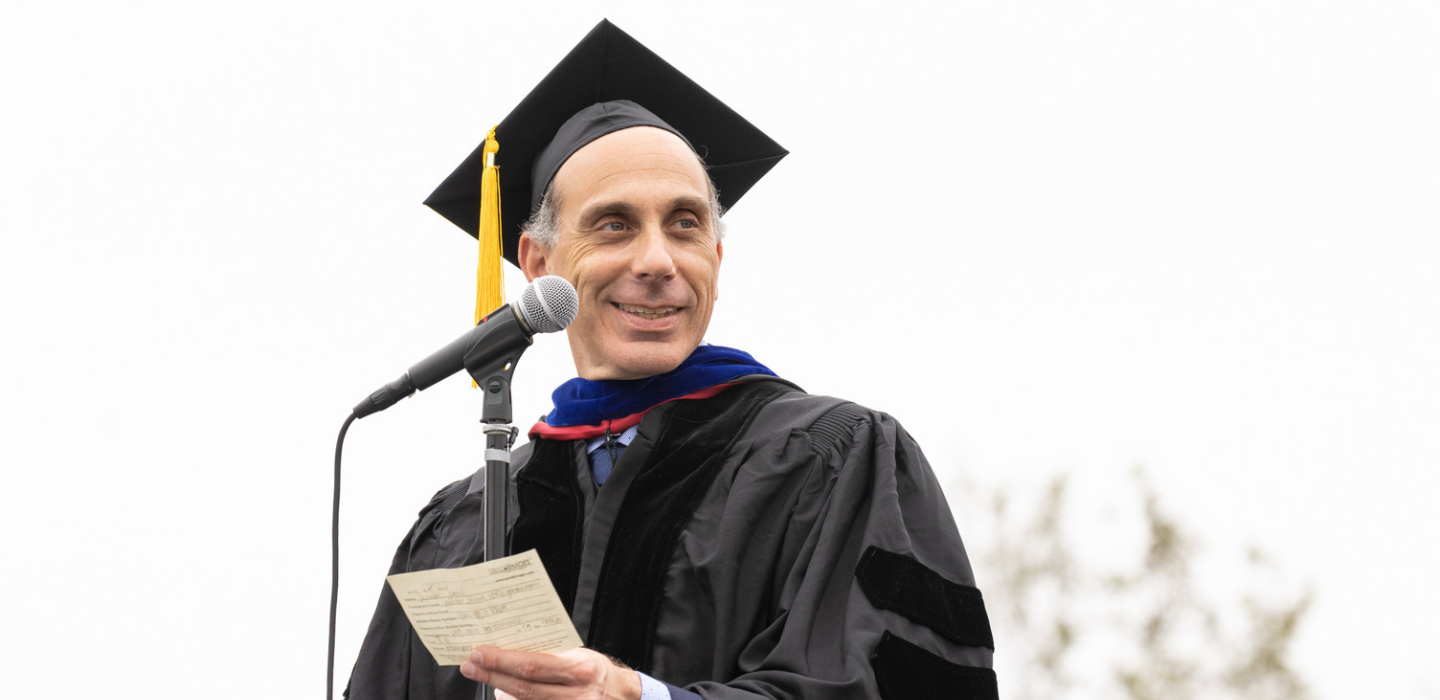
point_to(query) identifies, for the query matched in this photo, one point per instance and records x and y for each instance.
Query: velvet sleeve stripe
(903, 585)
(904, 671)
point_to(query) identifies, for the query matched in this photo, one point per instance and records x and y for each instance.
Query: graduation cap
(608, 82)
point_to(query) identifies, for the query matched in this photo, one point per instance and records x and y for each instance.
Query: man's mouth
(645, 312)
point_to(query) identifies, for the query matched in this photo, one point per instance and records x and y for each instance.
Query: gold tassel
(489, 274)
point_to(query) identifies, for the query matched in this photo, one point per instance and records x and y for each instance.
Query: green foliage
(1139, 629)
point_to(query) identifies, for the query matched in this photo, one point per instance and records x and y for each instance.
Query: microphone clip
(493, 368)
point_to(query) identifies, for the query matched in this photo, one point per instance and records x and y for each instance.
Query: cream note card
(507, 603)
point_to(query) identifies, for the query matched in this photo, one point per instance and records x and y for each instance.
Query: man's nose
(653, 259)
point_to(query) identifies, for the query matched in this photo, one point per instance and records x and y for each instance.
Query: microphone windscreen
(549, 304)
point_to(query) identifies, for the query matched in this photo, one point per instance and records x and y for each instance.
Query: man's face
(637, 243)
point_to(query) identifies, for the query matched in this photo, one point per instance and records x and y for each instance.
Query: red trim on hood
(615, 425)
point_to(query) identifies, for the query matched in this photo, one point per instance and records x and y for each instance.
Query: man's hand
(578, 674)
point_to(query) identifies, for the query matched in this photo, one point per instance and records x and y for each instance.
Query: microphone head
(548, 304)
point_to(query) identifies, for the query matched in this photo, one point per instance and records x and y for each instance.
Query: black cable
(335, 562)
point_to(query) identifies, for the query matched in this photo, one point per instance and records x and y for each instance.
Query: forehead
(635, 161)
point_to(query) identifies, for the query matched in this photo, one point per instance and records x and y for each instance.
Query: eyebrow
(695, 204)
(595, 212)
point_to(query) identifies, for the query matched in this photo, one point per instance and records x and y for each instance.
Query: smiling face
(635, 239)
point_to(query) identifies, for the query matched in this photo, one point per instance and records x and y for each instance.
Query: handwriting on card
(507, 603)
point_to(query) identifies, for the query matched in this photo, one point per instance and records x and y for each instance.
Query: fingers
(559, 669)
(518, 675)
(522, 689)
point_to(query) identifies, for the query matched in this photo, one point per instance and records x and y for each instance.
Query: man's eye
(614, 226)
(686, 223)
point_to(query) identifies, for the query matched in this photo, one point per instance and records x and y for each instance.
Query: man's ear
(719, 258)
(533, 257)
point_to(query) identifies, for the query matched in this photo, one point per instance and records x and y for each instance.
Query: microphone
(547, 305)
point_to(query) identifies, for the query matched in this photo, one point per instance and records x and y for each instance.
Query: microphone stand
(499, 436)
(494, 379)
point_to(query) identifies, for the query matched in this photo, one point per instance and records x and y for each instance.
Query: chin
(647, 360)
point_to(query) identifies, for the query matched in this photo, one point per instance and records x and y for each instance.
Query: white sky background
(1048, 237)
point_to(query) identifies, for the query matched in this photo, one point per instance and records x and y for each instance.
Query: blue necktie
(602, 461)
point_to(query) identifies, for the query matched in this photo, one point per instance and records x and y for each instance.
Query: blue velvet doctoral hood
(589, 402)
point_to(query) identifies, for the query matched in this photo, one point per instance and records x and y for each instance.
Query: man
(714, 531)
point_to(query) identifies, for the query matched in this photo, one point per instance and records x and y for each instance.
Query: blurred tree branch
(1141, 629)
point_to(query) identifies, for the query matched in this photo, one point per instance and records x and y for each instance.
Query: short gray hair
(544, 223)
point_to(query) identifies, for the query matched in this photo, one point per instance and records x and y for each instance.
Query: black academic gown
(762, 543)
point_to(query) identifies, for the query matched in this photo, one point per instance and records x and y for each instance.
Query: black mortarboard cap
(607, 68)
